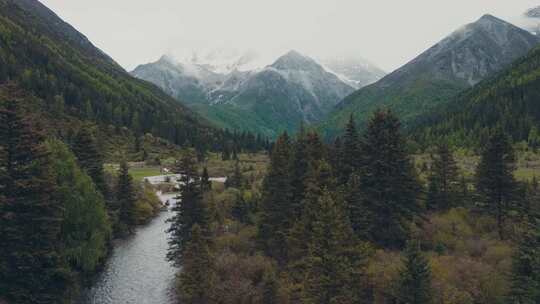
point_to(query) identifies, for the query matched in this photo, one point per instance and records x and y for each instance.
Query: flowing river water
(137, 272)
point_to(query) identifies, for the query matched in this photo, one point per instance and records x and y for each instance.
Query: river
(137, 272)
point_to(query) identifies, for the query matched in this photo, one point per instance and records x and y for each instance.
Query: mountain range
(509, 100)
(73, 82)
(294, 89)
(482, 67)
(459, 61)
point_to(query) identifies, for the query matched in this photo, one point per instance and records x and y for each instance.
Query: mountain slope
(510, 100)
(190, 83)
(50, 59)
(294, 89)
(458, 62)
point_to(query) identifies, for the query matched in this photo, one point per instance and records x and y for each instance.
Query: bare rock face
(471, 53)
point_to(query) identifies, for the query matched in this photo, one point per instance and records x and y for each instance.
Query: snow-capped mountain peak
(224, 61)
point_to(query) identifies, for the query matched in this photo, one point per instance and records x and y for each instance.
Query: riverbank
(136, 271)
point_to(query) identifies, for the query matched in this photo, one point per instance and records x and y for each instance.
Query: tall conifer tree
(197, 277)
(276, 210)
(415, 280)
(319, 178)
(299, 170)
(206, 183)
(525, 277)
(89, 158)
(388, 181)
(361, 217)
(443, 181)
(126, 197)
(31, 267)
(236, 180)
(189, 210)
(495, 180)
(335, 260)
(351, 152)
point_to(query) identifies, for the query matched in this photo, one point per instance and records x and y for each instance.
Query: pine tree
(31, 267)
(388, 181)
(443, 181)
(235, 153)
(206, 183)
(126, 197)
(89, 158)
(137, 144)
(464, 192)
(319, 177)
(359, 214)
(336, 155)
(335, 260)
(226, 154)
(270, 288)
(316, 149)
(276, 211)
(351, 152)
(241, 209)
(236, 180)
(190, 211)
(86, 228)
(525, 277)
(495, 181)
(299, 170)
(415, 279)
(197, 277)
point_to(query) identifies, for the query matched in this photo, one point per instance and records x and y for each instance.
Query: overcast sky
(386, 32)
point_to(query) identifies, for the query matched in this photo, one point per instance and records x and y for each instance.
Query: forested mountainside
(510, 100)
(458, 62)
(295, 89)
(50, 59)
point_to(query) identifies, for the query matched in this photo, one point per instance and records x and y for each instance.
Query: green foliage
(205, 181)
(197, 277)
(526, 266)
(148, 204)
(408, 100)
(192, 211)
(335, 260)
(275, 214)
(443, 189)
(318, 179)
(507, 100)
(236, 180)
(31, 267)
(415, 280)
(299, 167)
(85, 226)
(126, 198)
(495, 180)
(360, 215)
(351, 154)
(270, 287)
(60, 66)
(89, 158)
(387, 181)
